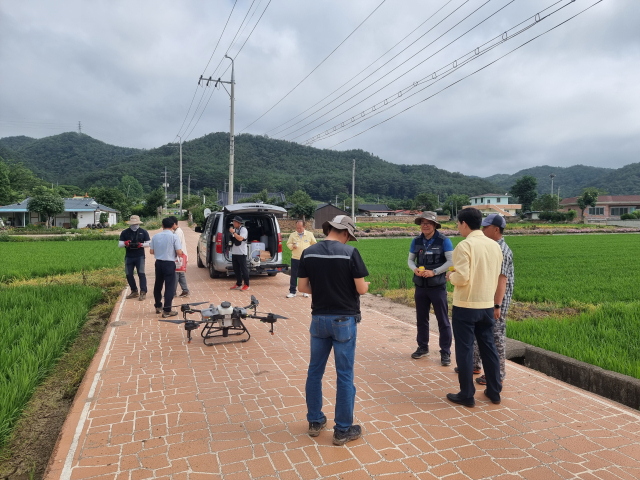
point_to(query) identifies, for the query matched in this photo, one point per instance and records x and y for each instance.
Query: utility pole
(165, 184)
(180, 174)
(189, 188)
(552, 175)
(336, 199)
(353, 193)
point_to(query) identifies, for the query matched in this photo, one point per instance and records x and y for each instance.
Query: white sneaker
(291, 295)
(306, 295)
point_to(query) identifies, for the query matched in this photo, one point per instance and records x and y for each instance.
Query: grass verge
(26, 451)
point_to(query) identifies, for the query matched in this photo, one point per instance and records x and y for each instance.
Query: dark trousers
(165, 275)
(437, 296)
(138, 263)
(470, 323)
(293, 284)
(240, 268)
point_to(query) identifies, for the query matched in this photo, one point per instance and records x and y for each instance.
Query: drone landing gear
(214, 330)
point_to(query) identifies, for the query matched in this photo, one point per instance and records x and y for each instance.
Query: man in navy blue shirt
(430, 257)
(134, 239)
(333, 273)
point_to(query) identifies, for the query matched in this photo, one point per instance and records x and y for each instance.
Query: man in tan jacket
(477, 262)
(298, 242)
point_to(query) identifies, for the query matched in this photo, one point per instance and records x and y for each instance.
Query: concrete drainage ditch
(614, 386)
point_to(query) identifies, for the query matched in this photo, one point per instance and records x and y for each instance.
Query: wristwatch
(496, 306)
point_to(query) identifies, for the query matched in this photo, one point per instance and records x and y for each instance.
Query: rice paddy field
(600, 273)
(39, 322)
(22, 260)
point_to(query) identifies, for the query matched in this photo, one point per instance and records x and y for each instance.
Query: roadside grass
(23, 260)
(31, 440)
(608, 336)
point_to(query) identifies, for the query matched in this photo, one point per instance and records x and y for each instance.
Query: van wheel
(198, 261)
(272, 274)
(212, 271)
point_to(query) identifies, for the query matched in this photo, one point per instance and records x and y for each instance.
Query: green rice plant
(39, 259)
(36, 327)
(608, 336)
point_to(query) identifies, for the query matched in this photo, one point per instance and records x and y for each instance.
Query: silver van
(262, 226)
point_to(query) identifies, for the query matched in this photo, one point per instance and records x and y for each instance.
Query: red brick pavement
(153, 406)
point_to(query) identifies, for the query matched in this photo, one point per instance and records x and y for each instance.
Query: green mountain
(61, 158)
(571, 180)
(260, 163)
(623, 181)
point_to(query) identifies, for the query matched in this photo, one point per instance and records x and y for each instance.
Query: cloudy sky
(128, 70)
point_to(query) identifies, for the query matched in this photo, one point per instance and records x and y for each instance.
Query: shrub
(74, 222)
(631, 216)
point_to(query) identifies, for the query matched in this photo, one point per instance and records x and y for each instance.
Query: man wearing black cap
(239, 236)
(333, 273)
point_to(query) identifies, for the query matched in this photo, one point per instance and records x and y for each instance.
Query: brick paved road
(152, 406)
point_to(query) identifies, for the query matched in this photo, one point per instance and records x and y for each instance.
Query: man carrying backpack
(134, 239)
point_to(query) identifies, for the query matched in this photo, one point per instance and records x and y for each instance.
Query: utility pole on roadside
(231, 126)
(552, 175)
(353, 193)
(180, 175)
(165, 185)
(189, 188)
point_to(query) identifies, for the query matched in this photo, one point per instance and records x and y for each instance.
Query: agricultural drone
(220, 320)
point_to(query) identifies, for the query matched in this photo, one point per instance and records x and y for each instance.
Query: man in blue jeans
(333, 273)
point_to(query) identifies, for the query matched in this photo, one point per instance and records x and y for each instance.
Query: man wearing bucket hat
(239, 236)
(333, 273)
(133, 240)
(430, 256)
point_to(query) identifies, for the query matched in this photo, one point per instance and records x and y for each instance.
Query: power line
(438, 74)
(205, 68)
(473, 73)
(404, 49)
(395, 68)
(317, 66)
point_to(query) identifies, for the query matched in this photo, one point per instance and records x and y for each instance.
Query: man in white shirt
(181, 277)
(239, 236)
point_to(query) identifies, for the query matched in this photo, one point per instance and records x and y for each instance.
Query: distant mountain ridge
(277, 165)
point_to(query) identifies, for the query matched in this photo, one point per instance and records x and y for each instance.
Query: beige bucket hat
(341, 222)
(134, 220)
(432, 216)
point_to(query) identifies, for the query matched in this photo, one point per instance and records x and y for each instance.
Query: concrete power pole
(552, 175)
(189, 188)
(165, 184)
(353, 193)
(180, 175)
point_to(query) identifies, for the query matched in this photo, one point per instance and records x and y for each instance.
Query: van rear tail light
(279, 243)
(219, 243)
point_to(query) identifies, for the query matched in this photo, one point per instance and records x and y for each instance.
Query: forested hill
(571, 180)
(260, 163)
(62, 158)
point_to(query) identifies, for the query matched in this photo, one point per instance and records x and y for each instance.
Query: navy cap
(494, 219)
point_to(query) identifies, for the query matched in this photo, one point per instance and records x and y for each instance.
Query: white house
(494, 203)
(85, 209)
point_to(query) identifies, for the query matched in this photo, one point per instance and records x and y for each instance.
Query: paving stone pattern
(164, 409)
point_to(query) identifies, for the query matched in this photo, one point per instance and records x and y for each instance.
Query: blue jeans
(327, 332)
(138, 263)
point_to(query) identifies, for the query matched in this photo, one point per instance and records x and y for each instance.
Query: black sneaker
(340, 438)
(420, 352)
(445, 359)
(316, 427)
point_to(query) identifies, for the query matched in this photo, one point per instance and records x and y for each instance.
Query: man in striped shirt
(493, 226)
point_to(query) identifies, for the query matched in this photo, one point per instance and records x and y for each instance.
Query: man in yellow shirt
(477, 262)
(298, 242)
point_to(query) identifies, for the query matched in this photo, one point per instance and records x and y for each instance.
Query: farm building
(375, 210)
(325, 212)
(608, 207)
(85, 209)
(494, 203)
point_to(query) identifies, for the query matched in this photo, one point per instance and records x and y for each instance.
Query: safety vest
(430, 255)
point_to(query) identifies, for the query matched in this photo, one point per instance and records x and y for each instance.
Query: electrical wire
(447, 69)
(205, 69)
(372, 63)
(317, 66)
(392, 70)
(236, 56)
(471, 74)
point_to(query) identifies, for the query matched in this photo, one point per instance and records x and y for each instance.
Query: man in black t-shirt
(134, 239)
(333, 273)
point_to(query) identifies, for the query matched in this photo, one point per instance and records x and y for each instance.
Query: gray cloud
(128, 71)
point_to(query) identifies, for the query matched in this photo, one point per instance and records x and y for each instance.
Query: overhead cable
(471, 74)
(317, 66)
(438, 74)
